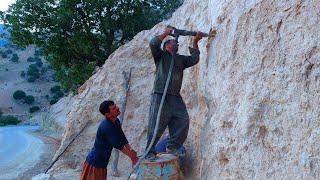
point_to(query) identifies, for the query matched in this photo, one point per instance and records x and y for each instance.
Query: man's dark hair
(104, 106)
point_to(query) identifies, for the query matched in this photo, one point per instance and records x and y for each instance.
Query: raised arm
(155, 44)
(197, 38)
(194, 51)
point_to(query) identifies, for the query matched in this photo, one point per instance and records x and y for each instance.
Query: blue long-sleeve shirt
(109, 136)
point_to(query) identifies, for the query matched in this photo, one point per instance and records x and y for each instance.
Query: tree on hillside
(19, 94)
(77, 35)
(15, 58)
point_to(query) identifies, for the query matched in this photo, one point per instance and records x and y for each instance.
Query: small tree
(39, 63)
(19, 95)
(34, 109)
(33, 73)
(31, 79)
(57, 94)
(9, 51)
(32, 70)
(53, 101)
(22, 74)
(15, 58)
(55, 89)
(38, 52)
(14, 46)
(43, 70)
(36, 59)
(30, 59)
(4, 55)
(29, 99)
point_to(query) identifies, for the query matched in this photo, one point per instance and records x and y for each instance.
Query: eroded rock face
(54, 120)
(253, 99)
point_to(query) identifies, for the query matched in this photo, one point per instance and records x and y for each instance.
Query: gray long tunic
(162, 60)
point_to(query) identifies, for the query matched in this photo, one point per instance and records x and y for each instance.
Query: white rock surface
(42, 176)
(53, 121)
(253, 99)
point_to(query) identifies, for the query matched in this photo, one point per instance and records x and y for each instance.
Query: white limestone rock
(253, 99)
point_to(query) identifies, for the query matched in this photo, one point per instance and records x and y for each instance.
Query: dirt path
(24, 152)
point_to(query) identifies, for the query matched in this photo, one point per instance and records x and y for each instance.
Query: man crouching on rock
(109, 136)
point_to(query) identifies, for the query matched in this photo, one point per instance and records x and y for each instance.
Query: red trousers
(92, 173)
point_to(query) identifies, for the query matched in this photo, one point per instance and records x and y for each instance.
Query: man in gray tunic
(174, 112)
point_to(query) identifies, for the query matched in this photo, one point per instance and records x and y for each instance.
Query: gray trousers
(174, 115)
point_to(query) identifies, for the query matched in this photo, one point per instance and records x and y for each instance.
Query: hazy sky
(5, 3)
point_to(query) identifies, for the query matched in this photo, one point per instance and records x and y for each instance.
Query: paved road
(19, 150)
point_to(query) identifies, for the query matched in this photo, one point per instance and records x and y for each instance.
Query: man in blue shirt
(109, 136)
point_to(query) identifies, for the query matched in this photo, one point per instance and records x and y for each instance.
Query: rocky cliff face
(253, 99)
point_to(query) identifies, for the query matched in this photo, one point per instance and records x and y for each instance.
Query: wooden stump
(166, 167)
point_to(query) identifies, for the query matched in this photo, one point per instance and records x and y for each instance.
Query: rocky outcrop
(54, 120)
(253, 99)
